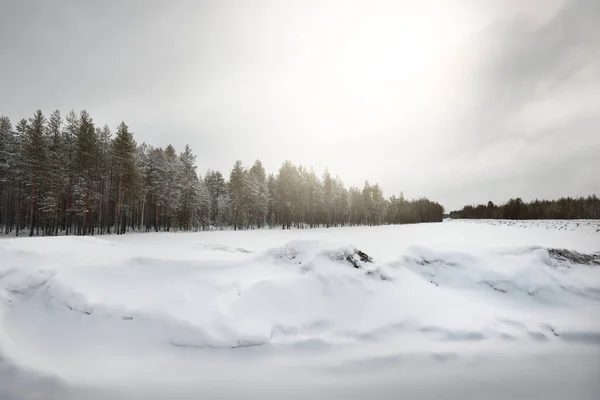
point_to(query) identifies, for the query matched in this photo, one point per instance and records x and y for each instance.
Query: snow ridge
(302, 292)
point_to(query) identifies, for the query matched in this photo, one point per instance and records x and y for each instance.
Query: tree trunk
(117, 207)
(6, 228)
(18, 207)
(142, 213)
(31, 215)
(57, 221)
(156, 219)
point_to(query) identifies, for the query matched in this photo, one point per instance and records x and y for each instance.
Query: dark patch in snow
(497, 289)
(29, 289)
(86, 312)
(571, 256)
(189, 345)
(358, 257)
(247, 343)
(538, 336)
(435, 261)
(378, 273)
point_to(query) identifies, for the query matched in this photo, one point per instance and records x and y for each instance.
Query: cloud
(535, 95)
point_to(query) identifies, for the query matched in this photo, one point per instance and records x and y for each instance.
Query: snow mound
(225, 304)
(309, 253)
(130, 302)
(541, 274)
(564, 257)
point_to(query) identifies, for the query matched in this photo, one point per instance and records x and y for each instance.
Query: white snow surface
(192, 313)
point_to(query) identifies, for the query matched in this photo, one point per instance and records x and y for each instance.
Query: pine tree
(85, 183)
(57, 179)
(341, 203)
(328, 200)
(257, 183)
(35, 159)
(379, 204)
(356, 205)
(313, 198)
(285, 194)
(124, 165)
(105, 169)
(216, 187)
(7, 156)
(202, 206)
(190, 189)
(156, 175)
(73, 177)
(237, 184)
(273, 200)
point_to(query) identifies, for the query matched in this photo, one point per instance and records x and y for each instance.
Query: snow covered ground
(460, 309)
(585, 225)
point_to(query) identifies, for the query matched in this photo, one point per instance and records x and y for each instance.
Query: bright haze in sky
(459, 101)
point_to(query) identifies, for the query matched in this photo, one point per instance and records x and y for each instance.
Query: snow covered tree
(314, 198)
(237, 183)
(273, 201)
(286, 189)
(217, 188)
(7, 159)
(57, 175)
(74, 177)
(258, 193)
(125, 172)
(35, 159)
(341, 203)
(157, 180)
(195, 199)
(104, 166)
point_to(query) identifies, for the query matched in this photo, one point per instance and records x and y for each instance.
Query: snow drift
(300, 291)
(66, 300)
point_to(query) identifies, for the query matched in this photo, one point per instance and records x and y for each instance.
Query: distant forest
(563, 208)
(73, 177)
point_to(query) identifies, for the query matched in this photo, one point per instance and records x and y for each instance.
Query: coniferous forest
(70, 176)
(563, 208)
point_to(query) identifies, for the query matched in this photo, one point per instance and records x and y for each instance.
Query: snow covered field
(582, 225)
(460, 309)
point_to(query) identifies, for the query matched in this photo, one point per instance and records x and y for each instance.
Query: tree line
(563, 208)
(72, 177)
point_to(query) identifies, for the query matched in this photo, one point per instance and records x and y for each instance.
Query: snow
(581, 225)
(485, 305)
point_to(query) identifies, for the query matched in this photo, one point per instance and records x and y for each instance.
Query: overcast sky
(460, 101)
